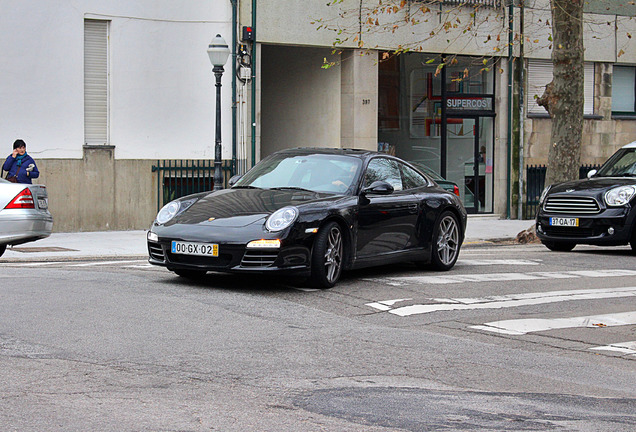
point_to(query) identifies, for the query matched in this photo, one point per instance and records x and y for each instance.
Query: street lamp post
(218, 52)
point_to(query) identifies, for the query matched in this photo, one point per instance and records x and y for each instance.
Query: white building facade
(102, 91)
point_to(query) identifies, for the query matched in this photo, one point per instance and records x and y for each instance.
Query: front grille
(571, 205)
(223, 260)
(259, 258)
(156, 251)
(570, 232)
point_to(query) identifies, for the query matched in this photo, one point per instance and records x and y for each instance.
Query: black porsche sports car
(314, 212)
(599, 210)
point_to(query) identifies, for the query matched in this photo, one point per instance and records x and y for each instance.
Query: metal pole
(511, 11)
(218, 177)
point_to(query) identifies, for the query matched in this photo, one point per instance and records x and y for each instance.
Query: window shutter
(588, 88)
(95, 81)
(540, 74)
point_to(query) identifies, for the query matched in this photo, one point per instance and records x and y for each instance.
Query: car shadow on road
(269, 284)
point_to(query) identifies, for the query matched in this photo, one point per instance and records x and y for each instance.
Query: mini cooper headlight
(544, 194)
(173, 208)
(619, 196)
(281, 219)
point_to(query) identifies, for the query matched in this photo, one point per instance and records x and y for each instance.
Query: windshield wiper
(245, 187)
(291, 188)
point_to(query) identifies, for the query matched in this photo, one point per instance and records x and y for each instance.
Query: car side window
(385, 170)
(411, 179)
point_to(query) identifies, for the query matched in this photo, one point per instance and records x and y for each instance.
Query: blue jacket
(11, 166)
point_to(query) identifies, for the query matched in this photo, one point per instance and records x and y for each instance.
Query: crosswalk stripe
(488, 262)
(500, 302)
(532, 325)
(628, 348)
(499, 277)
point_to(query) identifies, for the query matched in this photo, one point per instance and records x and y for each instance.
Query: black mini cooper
(599, 210)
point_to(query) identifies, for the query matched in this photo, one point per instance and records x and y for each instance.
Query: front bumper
(233, 258)
(610, 227)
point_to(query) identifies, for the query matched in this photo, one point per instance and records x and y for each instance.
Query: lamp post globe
(218, 51)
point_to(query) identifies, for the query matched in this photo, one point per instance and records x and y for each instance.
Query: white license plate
(188, 248)
(43, 203)
(565, 222)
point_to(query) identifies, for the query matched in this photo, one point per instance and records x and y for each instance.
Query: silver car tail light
(23, 200)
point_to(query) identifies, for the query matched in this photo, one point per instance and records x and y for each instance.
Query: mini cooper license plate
(188, 248)
(564, 222)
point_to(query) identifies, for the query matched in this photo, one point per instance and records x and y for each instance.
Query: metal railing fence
(535, 183)
(178, 178)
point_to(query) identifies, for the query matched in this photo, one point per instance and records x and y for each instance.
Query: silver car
(24, 214)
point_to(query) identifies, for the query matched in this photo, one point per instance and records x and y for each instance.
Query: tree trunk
(564, 96)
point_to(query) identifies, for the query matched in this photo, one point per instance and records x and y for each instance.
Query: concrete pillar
(359, 99)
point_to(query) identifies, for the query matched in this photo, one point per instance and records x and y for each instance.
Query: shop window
(624, 90)
(389, 94)
(540, 75)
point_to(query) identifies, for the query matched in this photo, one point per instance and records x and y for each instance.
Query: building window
(95, 82)
(540, 75)
(624, 90)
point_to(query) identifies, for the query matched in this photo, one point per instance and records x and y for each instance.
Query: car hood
(242, 207)
(593, 186)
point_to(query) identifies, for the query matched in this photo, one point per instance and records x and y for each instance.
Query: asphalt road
(513, 338)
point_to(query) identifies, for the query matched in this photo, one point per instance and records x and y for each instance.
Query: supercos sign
(469, 103)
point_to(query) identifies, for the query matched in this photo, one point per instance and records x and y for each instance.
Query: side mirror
(591, 173)
(233, 180)
(378, 187)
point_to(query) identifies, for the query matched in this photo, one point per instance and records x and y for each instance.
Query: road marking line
(500, 302)
(628, 348)
(531, 325)
(385, 305)
(486, 262)
(98, 263)
(147, 265)
(499, 277)
(35, 264)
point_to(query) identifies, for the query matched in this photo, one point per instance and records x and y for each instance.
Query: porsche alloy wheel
(326, 260)
(446, 242)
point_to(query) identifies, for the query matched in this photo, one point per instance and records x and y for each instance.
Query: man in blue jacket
(20, 166)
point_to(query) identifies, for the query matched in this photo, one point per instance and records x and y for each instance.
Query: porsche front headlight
(173, 208)
(281, 219)
(619, 196)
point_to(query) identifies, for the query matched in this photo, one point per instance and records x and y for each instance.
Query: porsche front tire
(326, 258)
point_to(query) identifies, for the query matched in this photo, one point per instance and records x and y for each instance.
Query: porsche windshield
(622, 164)
(315, 172)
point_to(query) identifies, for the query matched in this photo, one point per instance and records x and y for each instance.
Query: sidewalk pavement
(132, 244)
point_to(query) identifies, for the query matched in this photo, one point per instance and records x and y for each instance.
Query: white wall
(162, 94)
(300, 104)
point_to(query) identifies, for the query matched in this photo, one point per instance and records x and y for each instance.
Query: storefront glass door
(469, 160)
